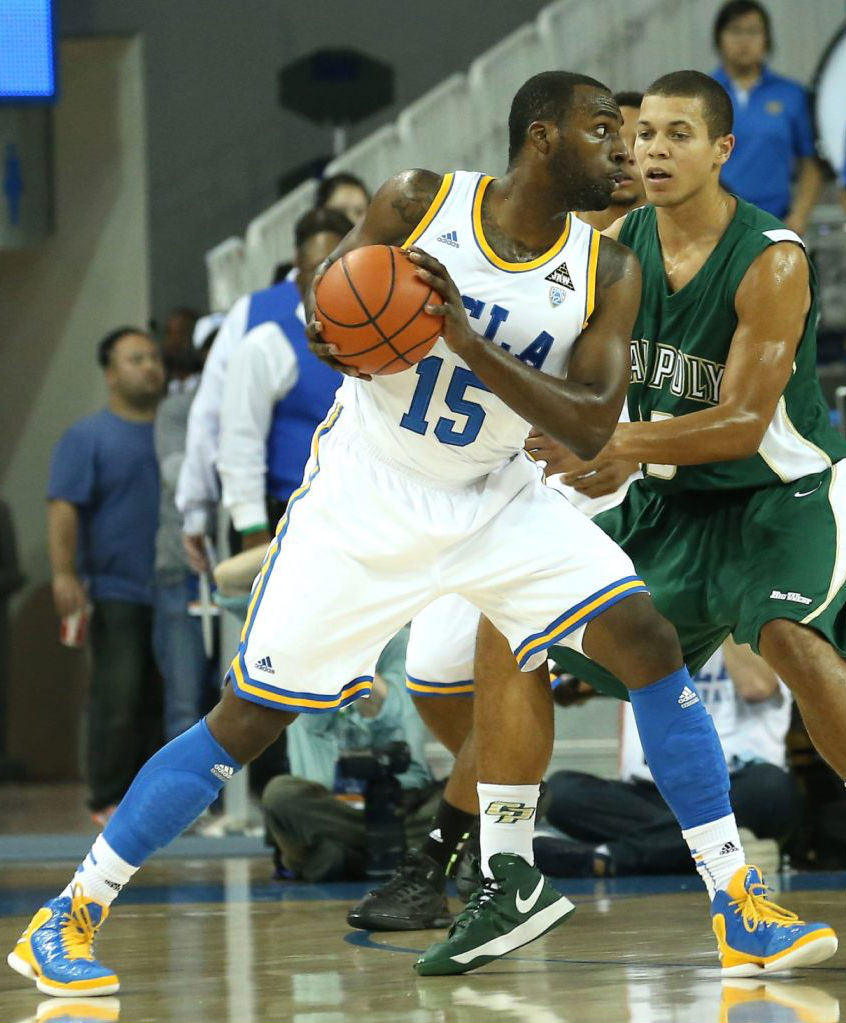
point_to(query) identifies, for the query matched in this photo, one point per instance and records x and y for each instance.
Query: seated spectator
(189, 670)
(625, 827)
(101, 520)
(275, 395)
(345, 193)
(319, 835)
(772, 119)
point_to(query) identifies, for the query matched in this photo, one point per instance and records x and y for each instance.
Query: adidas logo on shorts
(223, 771)
(449, 238)
(264, 664)
(687, 698)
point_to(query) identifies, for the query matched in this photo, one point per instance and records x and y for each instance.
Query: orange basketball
(371, 304)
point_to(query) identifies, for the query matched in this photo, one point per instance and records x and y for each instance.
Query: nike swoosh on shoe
(526, 905)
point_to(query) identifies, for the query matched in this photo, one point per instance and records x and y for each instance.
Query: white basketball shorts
(365, 546)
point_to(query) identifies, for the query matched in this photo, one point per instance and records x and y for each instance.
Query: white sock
(507, 821)
(102, 873)
(717, 852)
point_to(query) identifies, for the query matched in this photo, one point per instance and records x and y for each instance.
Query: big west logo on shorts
(509, 813)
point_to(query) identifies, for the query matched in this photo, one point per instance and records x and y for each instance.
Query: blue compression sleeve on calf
(169, 792)
(682, 749)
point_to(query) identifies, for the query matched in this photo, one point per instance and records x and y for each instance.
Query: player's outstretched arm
(582, 410)
(772, 305)
(396, 209)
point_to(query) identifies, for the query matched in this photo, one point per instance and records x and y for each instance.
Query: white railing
(462, 122)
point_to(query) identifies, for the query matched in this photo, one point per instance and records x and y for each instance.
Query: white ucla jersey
(438, 419)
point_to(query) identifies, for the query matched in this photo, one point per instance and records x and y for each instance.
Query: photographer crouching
(372, 753)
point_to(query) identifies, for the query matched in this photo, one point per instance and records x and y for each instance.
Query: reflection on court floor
(218, 941)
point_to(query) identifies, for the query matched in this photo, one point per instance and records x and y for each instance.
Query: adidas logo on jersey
(561, 275)
(223, 771)
(264, 664)
(450, 238)
(687, 698)
(436, 835)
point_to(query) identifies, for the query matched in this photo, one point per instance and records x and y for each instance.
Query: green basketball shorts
(728, 562)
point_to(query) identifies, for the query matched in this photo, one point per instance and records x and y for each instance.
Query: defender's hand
(605, 479)
(596, 478)
(558, 458)
(457, 332)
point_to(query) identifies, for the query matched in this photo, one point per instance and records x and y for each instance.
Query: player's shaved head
(547, 96)
(716, 102)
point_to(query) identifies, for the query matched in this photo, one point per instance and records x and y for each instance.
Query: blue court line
(22, 901)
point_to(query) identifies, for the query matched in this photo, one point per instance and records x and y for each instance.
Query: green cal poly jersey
(679, 350)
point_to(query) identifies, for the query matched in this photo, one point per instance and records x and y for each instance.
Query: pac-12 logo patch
(561, 275)
(556, 296)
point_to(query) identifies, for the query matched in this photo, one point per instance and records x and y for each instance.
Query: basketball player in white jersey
(441, 652)
(417, 487)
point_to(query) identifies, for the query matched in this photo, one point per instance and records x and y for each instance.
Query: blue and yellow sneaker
(756, 936)
(763, 999)
(56, 949)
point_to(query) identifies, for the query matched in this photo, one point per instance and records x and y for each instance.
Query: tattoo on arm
(417, 191)
(614, 260)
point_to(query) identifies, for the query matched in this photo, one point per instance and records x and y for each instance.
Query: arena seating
(461, 122)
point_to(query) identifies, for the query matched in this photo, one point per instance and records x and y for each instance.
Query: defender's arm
(772, 305)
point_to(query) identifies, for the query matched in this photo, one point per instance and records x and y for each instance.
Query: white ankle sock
(717, 852)
(507, 821)
(102, 873)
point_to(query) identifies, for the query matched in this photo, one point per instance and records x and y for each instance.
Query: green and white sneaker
(508, 911)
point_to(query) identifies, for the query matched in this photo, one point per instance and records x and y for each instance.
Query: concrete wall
(218, 139)
(56, 301)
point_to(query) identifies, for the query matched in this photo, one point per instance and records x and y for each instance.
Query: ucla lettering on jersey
(438, 419)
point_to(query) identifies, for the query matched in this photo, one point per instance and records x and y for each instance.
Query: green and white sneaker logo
(525, 906)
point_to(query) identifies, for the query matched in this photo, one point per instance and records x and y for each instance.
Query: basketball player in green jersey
(739, 525)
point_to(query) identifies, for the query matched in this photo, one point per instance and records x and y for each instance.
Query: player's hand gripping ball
(371, 304)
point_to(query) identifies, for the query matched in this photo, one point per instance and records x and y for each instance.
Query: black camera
(381, 762)
(383, 815)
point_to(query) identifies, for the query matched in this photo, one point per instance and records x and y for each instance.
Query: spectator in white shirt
(198, 488)
(624, 827)
(275, 394)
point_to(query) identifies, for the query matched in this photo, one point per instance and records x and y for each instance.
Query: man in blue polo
(772, 123)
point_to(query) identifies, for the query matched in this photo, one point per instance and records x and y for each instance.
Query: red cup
(73, 628)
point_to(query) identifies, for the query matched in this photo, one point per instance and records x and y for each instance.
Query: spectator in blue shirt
(102, 516)
(772, 121)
